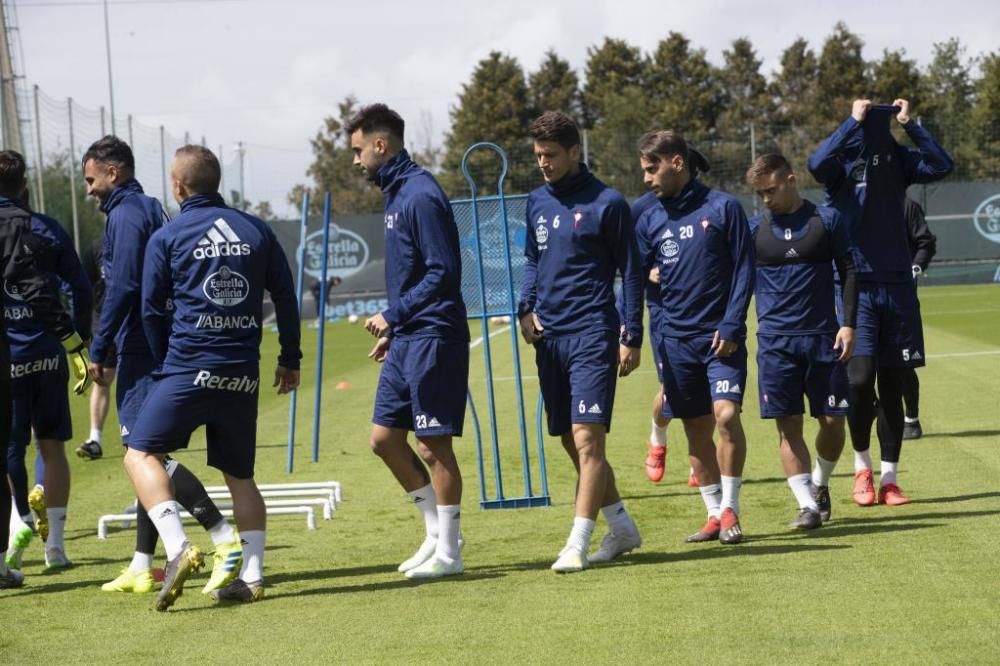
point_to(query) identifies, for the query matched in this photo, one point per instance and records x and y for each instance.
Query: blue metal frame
(298, 294)
(322, 323)
(501, 501)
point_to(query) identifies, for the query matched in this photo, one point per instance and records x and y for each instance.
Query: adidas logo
(736, 389)
(791, 254)
(668, 234)
(418, 498)
(167, 512)
(221, 241)
(434, 423)
(125, 431)
(916, 356)
(843, 404)
(595, 409)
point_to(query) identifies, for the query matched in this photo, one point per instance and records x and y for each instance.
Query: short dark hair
(555, 126)
(657, 144)
(767, 164)
(202, 172)
(376, 117)
(12, 170)
(111, 150)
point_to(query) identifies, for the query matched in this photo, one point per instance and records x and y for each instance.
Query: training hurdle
(486, 254)
(127, 518)
(304, 485)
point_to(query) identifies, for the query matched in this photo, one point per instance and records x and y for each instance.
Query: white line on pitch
(478, 341)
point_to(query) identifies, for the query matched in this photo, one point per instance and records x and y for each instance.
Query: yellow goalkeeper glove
(79, 361)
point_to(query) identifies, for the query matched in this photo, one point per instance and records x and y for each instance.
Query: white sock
(731, 493)
(712, 496)
(18, 523)
(140, 562)
(222, 533)
(907, 419)
(57, 525)
(801, 485)
(95, 435)
(658, 435)
(822, 471)
(619, 521)
(167, 522)
(579, 536)
(888, 473)
(426, 503)
(253, 556)
(448, 523)
(862, 460)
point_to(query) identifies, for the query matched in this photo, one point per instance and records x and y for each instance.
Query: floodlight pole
(111, 83)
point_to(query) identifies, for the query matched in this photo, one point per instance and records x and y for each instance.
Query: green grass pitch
(914, 584)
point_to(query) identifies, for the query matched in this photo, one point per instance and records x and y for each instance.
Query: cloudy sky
(267, 72)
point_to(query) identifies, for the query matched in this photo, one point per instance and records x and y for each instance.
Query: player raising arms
(208, 350)
(579, 236)
(865, 174)
(700, 241)
(423, 338)
(800, 346)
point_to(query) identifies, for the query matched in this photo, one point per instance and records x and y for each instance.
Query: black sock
(911, 393)
(890, 392)
(145, 532)
(861, 379)
(191, 495)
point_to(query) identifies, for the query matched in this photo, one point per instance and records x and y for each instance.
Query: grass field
(914, 584)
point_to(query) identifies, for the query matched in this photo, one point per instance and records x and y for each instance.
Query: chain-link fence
(54, 135)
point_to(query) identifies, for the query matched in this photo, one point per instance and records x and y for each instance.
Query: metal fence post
(131, 143)
(103, 128)
(40, 194)
(753, 158)
(72, 179)
(222, 168)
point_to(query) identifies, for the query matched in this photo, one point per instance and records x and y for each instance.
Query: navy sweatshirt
(865, 174)
(132, 219)
(794, 286)
(700, 240)
(580, 235)
(423, 261)
(29, 337)
(24, 276)
(214, 263)
(652, 290)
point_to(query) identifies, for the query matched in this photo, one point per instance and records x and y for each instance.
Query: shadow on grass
(901, 522)
(402, 583)
(341, 572)
(38, 584)
(956, 498)
(962, 433)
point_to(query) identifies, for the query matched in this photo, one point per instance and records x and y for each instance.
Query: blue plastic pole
(298, 293)
(322, 323)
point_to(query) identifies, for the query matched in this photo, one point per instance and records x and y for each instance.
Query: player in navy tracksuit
(700, 241)
(39, 385)
(865, 174)
(423, 339)
(656, 446)
(801, 347)
(580, 235)
(108, 168)
(21, 259)
(213, 263)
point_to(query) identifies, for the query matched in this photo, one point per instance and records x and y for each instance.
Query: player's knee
(833, 425)
(861, 371)
(727, 414)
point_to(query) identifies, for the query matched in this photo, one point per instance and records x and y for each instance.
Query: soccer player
(214, 263)
(865, 174)
(423, 339)
(656, 445)
(39, 385)
(580, 235)
(801, 347)
(24, 276)
(700, 241)
(923, 247)
(108, 170)
(100, 396)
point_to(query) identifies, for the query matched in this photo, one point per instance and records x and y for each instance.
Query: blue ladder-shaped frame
(501, 501)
